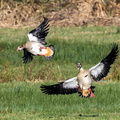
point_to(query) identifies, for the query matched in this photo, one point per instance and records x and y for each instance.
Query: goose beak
(20, 48)
(17, 50)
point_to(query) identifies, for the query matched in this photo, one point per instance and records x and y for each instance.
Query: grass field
(20, 96)
(87, 45)
(24, 101)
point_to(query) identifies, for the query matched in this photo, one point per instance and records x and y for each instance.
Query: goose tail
(50, 52)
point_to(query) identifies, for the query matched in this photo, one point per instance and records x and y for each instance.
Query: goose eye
(86, 75)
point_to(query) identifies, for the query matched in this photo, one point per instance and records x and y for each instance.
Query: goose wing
(38, 34)
(102, 68)
(67, 87)
(28, 57)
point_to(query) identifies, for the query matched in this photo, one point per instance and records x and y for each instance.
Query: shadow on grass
(88, 115)
(80, 115)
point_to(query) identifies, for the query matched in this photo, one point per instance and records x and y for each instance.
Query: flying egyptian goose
(35, 45)
(82, 83)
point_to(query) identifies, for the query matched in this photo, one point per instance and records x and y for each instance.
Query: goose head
(81, 70)
(79, 66)
(20, 47)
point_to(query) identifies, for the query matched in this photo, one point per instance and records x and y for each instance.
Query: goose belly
(85, 83)
(34, 48)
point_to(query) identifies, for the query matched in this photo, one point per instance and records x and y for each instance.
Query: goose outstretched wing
(67, 87)
(28, 57)
(38, 34)
(102, 68)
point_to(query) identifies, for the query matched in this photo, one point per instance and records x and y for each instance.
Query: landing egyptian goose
(82, 83)
(35, 45)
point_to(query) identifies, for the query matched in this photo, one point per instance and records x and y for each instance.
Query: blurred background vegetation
(60, 12)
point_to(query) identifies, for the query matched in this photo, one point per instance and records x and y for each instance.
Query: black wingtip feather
(41, 31)
(112, 55)
(44, 24)
(28, 57)
(45, 19)
(51, 89)
(56, 89)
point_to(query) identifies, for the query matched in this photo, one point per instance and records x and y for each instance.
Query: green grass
(24, 100)
(87, 45)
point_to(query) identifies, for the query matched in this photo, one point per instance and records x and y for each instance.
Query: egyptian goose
(82, 83)
(35, 45)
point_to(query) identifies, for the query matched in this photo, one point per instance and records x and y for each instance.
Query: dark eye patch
(86, 75)
(21, 46)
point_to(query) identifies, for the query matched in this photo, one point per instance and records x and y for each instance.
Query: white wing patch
(71, 83)
(97, 69)
(32, 38)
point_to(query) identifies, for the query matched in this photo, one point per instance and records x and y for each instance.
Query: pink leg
(91, 93)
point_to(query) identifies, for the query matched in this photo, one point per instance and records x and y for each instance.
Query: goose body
(36, 44)
(35, 48)
(82, 83)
